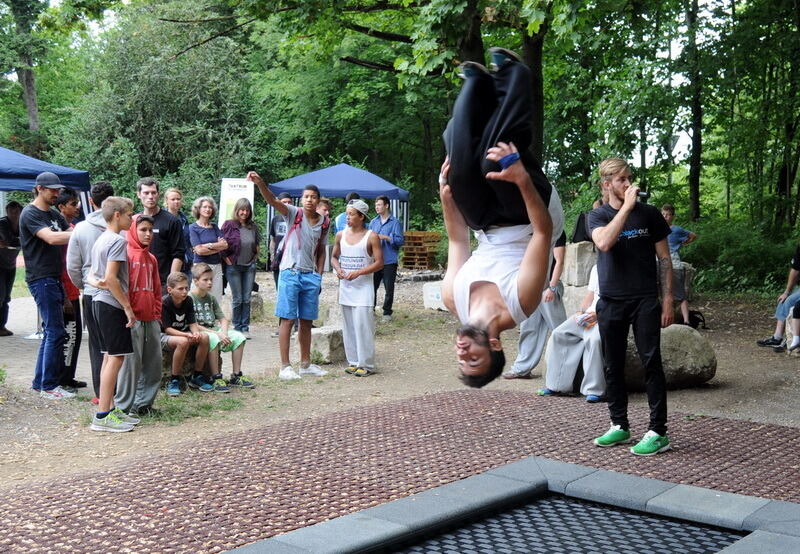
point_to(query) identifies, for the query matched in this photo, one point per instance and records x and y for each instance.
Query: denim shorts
(783, 309)
(298, 295)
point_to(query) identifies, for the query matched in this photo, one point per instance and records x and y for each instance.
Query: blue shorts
(783, 309)
(298, 295)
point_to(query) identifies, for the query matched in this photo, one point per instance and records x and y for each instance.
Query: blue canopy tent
(338, 180)
(18, 172)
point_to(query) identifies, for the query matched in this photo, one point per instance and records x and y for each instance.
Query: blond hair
(200, 269)
(176, 277)
(115, 204)
(171, 190)
(612, 166)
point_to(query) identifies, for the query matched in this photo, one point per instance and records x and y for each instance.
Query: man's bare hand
(255, 178)
(667, 312)
(548, 295)
(444, 187)
(630, 198)
(515, 173)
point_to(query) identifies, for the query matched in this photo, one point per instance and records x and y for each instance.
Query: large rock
(327, 345)
(687, 356)
(578, 261)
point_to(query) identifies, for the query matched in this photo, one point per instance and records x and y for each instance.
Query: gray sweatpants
(140, 376)
(568, 344)
(358, 332)
(533, 333)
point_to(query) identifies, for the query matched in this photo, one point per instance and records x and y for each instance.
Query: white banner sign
(230, 192)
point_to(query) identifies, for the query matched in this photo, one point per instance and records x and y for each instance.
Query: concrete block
(270, 546)
(432, 296)
(454, 501)
(578, 261)
(526, 470)
(618, 489)
(350, 533)
(561, 474)
(706, 506)
(327, 344)
(776, 516)
(572, 298)
(764, 542)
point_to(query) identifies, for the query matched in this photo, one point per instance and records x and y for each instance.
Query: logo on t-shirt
(634, 233)
(54, 226)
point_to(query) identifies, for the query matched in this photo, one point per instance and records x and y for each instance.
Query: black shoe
(75, 384)
(471, 69)
(147, 411)
(770, 341)
(501, 56)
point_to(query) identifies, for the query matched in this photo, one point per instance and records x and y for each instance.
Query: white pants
(533, 333)
(358, 333)
(568, 344)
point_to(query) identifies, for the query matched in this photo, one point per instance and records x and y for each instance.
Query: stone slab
(561, 474)
(764, 542)
(712, 507)
(777, 516)
(350, 533)
(454, 501)
(617, 489)
(526, 470)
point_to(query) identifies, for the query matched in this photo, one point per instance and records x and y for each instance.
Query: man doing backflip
(491, 184)
(630, 236)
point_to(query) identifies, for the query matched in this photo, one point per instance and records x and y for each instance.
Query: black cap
(48, 180)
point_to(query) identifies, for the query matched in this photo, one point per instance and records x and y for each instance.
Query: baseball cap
(359, 205)
(48, 180)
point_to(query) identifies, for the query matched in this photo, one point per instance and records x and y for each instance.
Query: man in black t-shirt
(43, 231)
(168, 240)
(630, 236)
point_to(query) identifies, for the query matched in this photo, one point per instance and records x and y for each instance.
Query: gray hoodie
(79, 251)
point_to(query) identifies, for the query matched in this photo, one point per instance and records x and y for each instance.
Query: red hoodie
(144, 283)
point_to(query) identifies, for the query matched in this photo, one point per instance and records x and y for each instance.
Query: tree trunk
(470, 47)
(27, 80)
(532, 48)
(696, 105)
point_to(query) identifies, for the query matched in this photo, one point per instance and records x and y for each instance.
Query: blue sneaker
(220, 385)
(199, 382)
(174, 387)
(546, 392)
(592, 398)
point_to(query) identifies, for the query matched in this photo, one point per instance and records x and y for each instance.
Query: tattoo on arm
(665, 276)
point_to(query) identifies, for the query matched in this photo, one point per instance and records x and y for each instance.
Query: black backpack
(697, 319)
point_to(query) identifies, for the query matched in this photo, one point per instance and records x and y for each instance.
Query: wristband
(552, 289)
(509, 160)
(442, 180)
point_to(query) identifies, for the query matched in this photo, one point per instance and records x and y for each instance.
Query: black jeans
(614, 318)
(387, 275)
(72, 345)
(7, 276)
(93, 329)
(491, 109)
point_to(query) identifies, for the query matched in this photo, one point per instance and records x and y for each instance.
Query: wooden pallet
(419, 250)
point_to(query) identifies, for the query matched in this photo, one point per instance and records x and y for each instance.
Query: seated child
(214, 324)
(179, 331)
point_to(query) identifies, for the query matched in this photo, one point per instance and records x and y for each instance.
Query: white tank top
(497, 260)
(360, 291)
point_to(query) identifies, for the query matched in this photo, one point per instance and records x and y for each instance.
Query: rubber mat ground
(243, 487)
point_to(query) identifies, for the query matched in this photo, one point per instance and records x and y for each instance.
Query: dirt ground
(415, 357)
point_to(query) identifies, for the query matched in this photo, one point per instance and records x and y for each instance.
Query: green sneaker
(614, 436)
(651, 444)
(110, 423)
(125, 418)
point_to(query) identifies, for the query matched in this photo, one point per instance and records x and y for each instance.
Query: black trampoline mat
(556, 524)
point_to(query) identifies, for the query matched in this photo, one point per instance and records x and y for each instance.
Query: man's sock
(795, 341)
(101, 415)
(778, 336)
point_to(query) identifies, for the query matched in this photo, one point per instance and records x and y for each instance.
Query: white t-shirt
(110, 247)
(497, 260)
(304, 258)
(361, 290)
(594, 286)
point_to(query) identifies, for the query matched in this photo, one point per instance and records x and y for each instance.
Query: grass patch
(20, 289)
(2, 375)
(174, 410)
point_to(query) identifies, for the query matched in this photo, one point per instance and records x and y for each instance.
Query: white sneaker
(313, 369)
(50, 394)
(64, 392)
(288, 374)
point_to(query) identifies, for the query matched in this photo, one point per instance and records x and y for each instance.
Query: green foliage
(735, 257)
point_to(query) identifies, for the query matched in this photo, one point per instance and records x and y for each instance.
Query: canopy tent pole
(2, 203)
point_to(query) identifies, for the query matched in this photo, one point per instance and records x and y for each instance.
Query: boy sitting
(215, 325)
(179, 331)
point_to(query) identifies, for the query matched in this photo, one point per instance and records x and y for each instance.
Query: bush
(732, 256)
